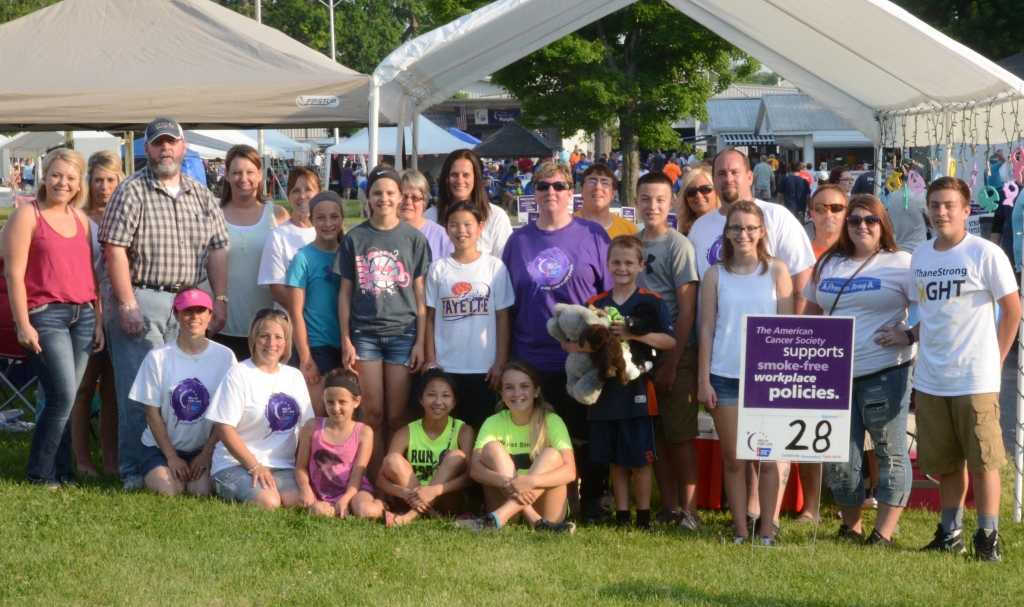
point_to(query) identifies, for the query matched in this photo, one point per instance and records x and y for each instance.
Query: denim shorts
(727, 389)
(391, 349)
(235, 485)
(327, 358)
(153, 458)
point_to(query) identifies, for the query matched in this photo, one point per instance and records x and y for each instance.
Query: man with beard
(162, 229)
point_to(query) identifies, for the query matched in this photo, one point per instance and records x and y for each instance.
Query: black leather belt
(165, 288)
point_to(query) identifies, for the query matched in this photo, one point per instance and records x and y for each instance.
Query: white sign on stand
(795, 387)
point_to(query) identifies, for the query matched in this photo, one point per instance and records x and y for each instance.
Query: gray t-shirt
(908, 213)
(671, 263)
(382, 265)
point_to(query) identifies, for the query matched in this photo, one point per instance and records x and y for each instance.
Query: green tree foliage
(366, 31)
(12, 9)
(639, 69)
(990, 27)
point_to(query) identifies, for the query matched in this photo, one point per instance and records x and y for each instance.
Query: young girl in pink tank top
(330, 466)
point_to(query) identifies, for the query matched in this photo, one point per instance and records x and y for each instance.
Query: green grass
(98, 545)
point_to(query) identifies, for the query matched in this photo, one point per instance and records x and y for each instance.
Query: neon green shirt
(425, 454)
(516, 439)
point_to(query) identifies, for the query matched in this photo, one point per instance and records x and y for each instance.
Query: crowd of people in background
(404, 368)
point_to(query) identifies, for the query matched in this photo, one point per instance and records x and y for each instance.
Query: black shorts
(624, 442)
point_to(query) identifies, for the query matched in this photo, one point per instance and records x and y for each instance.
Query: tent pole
(259, 133)
(1018, 435)
(69, 139)
(400, 139)
(374, 127)
(947, 144)
(414, 154)
(879, 168)
(129, 152)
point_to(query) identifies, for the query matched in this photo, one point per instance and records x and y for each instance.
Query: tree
(990, 27)
(12, 9)
(366, 31)
(633, 72)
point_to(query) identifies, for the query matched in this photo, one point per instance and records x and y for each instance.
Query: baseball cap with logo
(191, 298)
(163, 126)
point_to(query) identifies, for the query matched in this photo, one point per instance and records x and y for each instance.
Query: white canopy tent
(224, 139)
(290, 148)
(33, 145)
(852, 62)
(432, 139)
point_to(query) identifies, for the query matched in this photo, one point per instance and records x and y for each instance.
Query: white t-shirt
(179, 384)
(787, 240)
(283, 243)
(266, 412)
(465, 298)
(957, 292)
(494, 235)
(877, 297)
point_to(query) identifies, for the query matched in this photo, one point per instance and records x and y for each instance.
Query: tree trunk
(629, 143)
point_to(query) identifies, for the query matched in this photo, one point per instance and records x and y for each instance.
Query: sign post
(795, 389)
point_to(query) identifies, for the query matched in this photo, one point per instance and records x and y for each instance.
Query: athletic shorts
(624, 442)
(677, 412)
(235, 485)
(956, 430)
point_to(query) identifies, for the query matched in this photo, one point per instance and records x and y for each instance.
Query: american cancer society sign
(795, 388)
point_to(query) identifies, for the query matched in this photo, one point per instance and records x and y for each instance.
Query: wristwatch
(223, 298)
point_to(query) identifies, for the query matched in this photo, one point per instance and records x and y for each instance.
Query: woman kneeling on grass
(174, 383)
(426, 463)
(330, 465)
(257, 412)
(523, 457)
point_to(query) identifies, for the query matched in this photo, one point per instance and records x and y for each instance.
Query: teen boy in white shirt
(959, 279)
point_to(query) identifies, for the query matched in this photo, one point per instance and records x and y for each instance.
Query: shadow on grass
(643, 591)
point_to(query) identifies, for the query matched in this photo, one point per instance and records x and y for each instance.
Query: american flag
(460, 117)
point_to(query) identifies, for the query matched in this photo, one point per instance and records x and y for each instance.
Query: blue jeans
(880, 405)
(127, 353)
(66, 333)
(395, 349)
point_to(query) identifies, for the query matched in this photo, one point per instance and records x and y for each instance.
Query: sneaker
(876, 539)
(546, 525)
(666, 517)
(845, 533)
(738, 540)
(947, 542)
(134, 483)
(689, 521)
(480, 523)
(767, 541)
(776, 525)
(986, 545)
(594, 513)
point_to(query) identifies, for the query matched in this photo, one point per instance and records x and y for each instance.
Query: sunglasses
(834, 208)
(265, 312)
(856, 220)
(559, 186)
(704, 189)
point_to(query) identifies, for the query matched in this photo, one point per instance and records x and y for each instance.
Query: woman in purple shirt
(558, 259)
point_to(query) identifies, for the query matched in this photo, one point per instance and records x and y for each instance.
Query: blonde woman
(103, 176)
(52, 288)
(697, 198)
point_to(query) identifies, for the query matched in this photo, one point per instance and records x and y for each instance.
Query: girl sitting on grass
(426, 464)
(523, 457)
(330, 463)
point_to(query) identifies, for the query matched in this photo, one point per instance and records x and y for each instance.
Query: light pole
(330, 4)
(259, 133)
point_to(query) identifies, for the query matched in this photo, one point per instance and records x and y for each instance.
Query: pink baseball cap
(193, 297)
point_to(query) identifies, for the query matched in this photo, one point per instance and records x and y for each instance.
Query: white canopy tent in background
(432, 140)
(225, 139)
(291, 149)
(853, 61)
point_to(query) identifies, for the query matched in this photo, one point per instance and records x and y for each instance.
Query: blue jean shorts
(235, 485)
(391, 349)
(153, 458)
(327, 358)
(727, 389)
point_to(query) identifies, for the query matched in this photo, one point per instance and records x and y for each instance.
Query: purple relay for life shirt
(547, 268)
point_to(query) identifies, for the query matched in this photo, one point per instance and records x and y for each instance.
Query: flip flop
(805, 518)
(388, 518)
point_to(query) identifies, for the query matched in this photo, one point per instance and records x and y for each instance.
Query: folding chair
(16, 376)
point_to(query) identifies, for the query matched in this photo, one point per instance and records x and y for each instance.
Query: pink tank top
(331, 465)
(59, 269)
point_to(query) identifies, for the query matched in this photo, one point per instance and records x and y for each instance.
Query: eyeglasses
(856, 220)
(834, 208)
(265, 312)
(735, 231)
(604, 183)
(704, 189)
(412, 198)
(559, 186)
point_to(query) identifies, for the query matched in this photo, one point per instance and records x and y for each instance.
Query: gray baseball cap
(163, 126)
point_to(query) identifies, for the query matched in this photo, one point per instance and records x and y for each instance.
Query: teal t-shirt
(310, 269)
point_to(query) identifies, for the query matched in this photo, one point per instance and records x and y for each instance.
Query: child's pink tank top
(331, 465)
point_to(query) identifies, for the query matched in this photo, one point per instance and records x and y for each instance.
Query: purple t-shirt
(547, 268)
(440, 244)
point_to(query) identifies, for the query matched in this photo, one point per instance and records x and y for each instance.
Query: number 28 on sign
(795, 385)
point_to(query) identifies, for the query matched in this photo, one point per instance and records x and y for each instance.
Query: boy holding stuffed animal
(621, 422)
